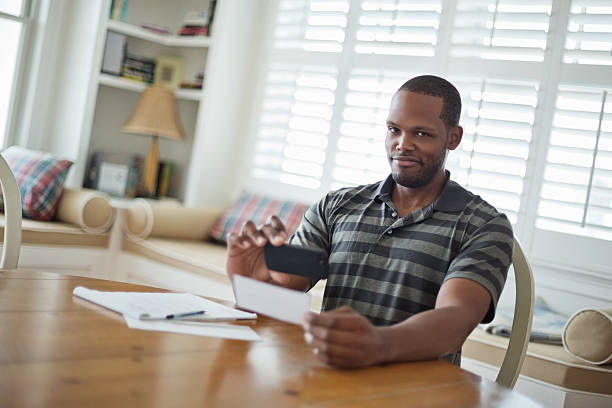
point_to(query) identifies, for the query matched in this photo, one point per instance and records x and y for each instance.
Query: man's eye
(393, 129)
(423, 134)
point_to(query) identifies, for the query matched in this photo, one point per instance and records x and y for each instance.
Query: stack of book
(195, 23)
(195, 84)
(139, 68)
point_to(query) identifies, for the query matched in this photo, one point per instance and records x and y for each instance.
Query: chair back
(12, 217)
(521, 323)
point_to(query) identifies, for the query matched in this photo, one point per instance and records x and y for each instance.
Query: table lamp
(155, 115)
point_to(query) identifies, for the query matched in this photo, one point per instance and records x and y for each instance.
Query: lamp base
(150, 169)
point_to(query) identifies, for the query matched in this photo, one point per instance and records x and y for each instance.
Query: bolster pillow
(90, 209)
(588, 335)
(146, 218)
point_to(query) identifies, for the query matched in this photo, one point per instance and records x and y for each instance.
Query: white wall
(55, 116)
(231, 72)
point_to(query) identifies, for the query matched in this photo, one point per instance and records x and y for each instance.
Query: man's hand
(344, 338)
(245, 251)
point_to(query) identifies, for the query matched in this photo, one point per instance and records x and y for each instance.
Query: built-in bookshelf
(118, 95)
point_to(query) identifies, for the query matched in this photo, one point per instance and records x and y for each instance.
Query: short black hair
(439, 87)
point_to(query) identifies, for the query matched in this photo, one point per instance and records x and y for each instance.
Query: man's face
(417, 138)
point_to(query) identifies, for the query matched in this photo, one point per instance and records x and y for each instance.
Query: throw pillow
(40, 177)
(258, 209)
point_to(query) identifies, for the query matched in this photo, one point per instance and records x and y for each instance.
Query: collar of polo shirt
(453, 197)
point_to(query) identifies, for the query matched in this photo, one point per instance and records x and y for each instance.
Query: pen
(172, 316)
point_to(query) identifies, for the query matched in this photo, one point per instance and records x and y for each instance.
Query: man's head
(435, 86)
(422, 125)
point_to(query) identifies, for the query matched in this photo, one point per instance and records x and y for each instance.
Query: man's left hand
(344, 338)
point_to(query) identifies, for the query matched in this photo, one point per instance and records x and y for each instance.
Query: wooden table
(58, 350)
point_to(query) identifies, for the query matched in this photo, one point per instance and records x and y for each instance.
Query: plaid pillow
(258, 209)
(40, 177)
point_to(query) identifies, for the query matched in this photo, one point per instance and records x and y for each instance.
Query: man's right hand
(246, 257)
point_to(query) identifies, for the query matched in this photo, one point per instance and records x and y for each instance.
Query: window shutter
(576, 194)
(311, 25)
(398, 27)
(501, 29)
(294, 124)
(497, 120)
(360, 156)
(589, 33)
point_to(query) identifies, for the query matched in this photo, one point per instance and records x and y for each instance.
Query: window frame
(15, 98)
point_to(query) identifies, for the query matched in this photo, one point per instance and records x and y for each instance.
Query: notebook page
(137, 304)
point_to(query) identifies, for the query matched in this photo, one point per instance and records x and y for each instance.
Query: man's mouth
(406, 161)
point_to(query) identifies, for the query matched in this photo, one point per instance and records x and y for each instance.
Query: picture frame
(114, 174)
(168, 71)
(113, 178)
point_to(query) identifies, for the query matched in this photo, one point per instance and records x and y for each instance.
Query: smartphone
(296, 260)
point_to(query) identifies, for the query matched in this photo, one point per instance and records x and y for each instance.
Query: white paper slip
(274, 301)
(159, 305)
(226, 331)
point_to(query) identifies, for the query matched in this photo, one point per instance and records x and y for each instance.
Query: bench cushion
(544, 362)
(56, 233)
(195, 256)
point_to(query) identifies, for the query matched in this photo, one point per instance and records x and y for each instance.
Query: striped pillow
(40, 177)
(258, 209)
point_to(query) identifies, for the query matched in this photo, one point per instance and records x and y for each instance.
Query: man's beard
(423, 178)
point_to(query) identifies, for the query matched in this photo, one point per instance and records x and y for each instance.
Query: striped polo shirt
(388, 267)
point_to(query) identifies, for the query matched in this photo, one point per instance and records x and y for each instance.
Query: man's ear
(454, 137)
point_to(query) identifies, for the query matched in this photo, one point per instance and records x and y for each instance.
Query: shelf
(163, 39)
(131, 85)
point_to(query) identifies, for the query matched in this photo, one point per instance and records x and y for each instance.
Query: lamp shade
(156, 114)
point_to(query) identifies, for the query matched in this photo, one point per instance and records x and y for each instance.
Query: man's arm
(344, 338)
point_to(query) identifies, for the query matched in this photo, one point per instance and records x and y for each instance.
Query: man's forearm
(427, 335)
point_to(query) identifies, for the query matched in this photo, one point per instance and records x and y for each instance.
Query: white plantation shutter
(294, 124)
(589, 33)
(398, 27)
(491, 160)
(360, 156)
(311, 25)
(533, 76)
(576, 193)
(501, 29)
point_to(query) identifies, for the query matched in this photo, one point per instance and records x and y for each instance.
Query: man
(415, 261)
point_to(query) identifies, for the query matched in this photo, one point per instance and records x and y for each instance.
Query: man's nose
(405, 142)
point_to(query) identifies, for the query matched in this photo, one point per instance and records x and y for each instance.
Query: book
(118, 10)
(131, 189)
(114, 52)
(93, 171)
(156, 28)
(164, 173)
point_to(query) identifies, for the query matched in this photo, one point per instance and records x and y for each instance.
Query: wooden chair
(12, 217)
(521, 324)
